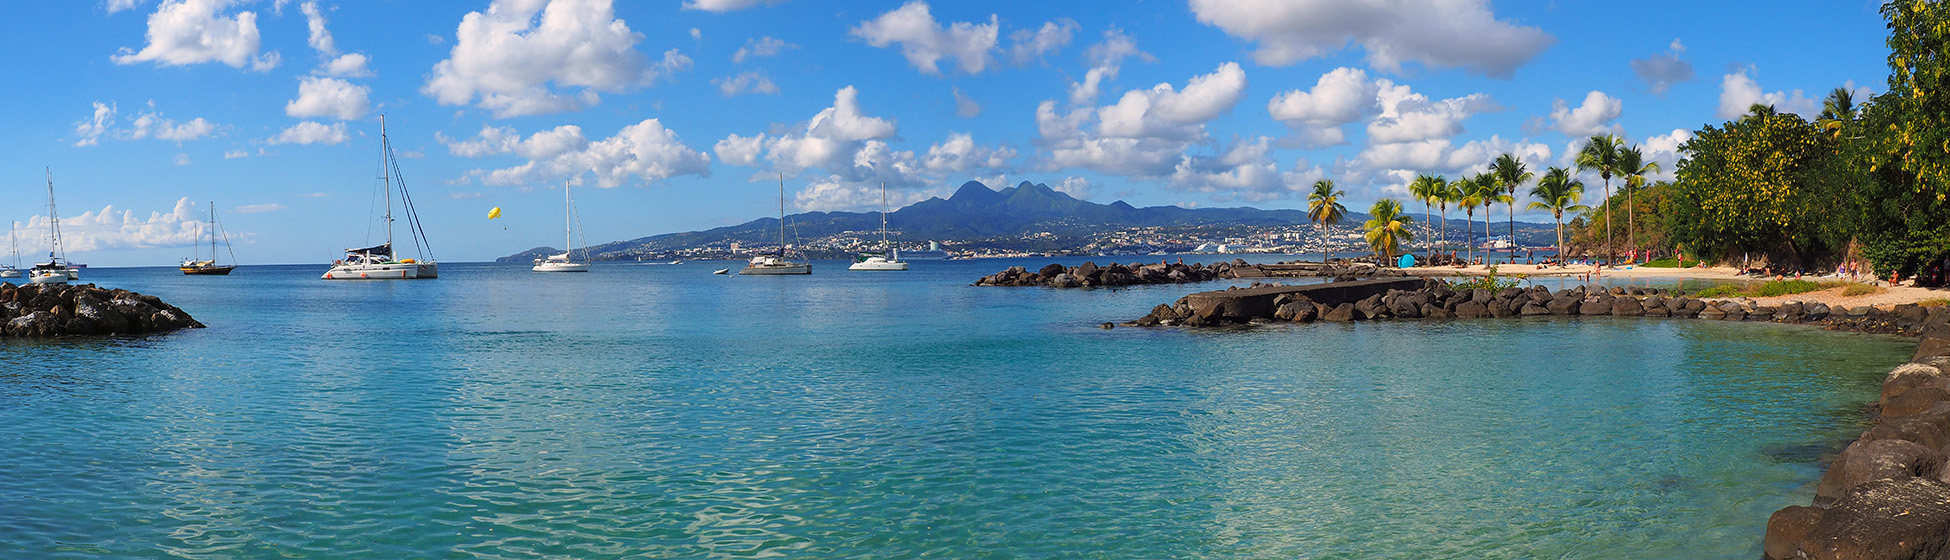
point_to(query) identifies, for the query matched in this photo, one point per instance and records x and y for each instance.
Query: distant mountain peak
(975, 192)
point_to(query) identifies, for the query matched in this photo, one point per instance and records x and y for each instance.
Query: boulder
(1712, 314)
(1870, 460)
(1658, 312)
(99, 315)
(1085, 270)
(1433, 311)
(1472, 309)
(1340, 313)
(1887, 519)
(1786, 529)
(1500, 307)
(1931, 427)
(1563, 306)
(1818, 311)
(1595, 307)
(1627, 307)
(1909, 377)
(1064, 280)
(1047, 271)
(1532, 308)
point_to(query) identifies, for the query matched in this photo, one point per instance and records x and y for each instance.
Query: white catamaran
(777, 265)
(379, 262)
(56, 269)
(13, 240)
(562, 262)
(889, 258)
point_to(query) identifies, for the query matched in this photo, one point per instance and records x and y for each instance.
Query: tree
(1511, 172)
(1451, 194)
(1633, 168)
(1837, 111)
(1429, 189)
(1468, 198)
(1387, 229)
(1600, 154)
(1557, 192)
(1489, 190)
(1325, 209)
(1746, 187)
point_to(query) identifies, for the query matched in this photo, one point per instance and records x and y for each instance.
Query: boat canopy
(385, 249)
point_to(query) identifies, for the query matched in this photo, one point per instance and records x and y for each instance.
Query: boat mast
(885, 249)
(568, 233)
(53, 220)
(386, 176)
(213, 233)
(781, 215)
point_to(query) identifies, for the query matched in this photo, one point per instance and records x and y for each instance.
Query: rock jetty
(1089, 275)
(37, 310)
(1417, 298)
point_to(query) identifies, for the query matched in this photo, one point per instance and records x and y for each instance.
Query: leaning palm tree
(1428, 189)
(1324, 208)
(1469, 195)
(1388, 229)
(1633, 168)
(1557, 192)
(1600, 154)
(1450, 193)
(1489, 190)
(1512, 173)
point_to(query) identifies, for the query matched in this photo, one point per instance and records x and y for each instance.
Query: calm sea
(644, 411)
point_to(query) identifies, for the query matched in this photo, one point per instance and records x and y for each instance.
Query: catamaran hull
(878, 266)
(785, 270)
(48, 278)
(9, 273)
(391, 271)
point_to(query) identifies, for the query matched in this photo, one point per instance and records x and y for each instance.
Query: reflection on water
(664, 412)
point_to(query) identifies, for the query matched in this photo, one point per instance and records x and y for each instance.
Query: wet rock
(1888, 519)
(1870, 460)
(1786, 529)
(1472, 309)
(1566, 305)
(1532, 308)
(1047, 271)
(1340, 313)
(1931, 427)
(1627, 307)
(1595, 307)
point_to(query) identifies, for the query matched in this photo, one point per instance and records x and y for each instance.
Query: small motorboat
(721, 271)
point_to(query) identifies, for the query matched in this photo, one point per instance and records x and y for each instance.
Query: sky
(668, 116)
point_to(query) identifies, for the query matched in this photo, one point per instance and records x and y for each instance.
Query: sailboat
(12, 270)
(777, 265)
(210, 267)
(55, 270)
(379, 262)
(562, 262)
(889, 259)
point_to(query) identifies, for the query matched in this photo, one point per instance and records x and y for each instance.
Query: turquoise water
(662, 412)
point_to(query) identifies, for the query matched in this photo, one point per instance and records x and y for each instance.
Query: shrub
(1490, 282)
(1662, 263)
(1785, 287)
(1860, 290)
(1723, 290)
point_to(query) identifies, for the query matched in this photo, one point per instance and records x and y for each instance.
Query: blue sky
(679, 115)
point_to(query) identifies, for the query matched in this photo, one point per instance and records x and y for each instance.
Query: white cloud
(236, 154)
(760, 47)
(1077, 187)
(1739, 92)
(1164, 112)
(319, 38)
(960, 154)
(966, 107)
(257, 208)
(1031, 45)
(352, 65)
(312, 132)
(697, 34)
(1595, 116)
(645, 150)
(185, 32)
(148, 124)
(1105, 59)
(1241, 168)
(328, 97)
(1664, 150)
(1436, 33)
(464, 195)
(925, 42)
(109, 228)
(834, 193)
(1338, 98)
(91, 130)
(120, 5)
(744, 82)
(1392, 166)
(1661, 71)
(1406, 116)
(507, 56)
(722, 6)
(182, 159)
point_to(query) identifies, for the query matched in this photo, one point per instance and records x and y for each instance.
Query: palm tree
(1450, 193)
(1388, 229)
(1469, 195)
(1489, 190)
(1511, 172)
(1600, 154)
(1633, 168)
(1324, 208)
(1557, 192)
(1836, 110)
(1427, 188)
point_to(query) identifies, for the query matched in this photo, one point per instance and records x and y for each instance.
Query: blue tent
(1407, 261)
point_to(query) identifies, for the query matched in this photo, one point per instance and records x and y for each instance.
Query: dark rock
(1931, 428)
(1712, 314)
(1085, 270)
(1064, 280)
(1909, 377)
(1047, 271)
(1472, 309)
(1532, 308)
(1340, 313)
(1433, 311)
(1786, 529)
(1564, 306)
(1888, 519)
(1595, 307)
(1107, 326)
(1658, 312)
(1915, 401)
(1870, 460)
(1627, 307)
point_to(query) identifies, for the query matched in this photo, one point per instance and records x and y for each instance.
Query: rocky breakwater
(1888, 494)
(1088, 275)
(36, 310)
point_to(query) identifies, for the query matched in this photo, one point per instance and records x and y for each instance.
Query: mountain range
(974, 212)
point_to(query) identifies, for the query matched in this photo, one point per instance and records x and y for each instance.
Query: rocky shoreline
(1886, 496)
(40, 310)
(1089, 275)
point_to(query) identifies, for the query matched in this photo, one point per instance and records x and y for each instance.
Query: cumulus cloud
(1738, 92)
(835, 140)
(760, 47)
(1339, 98)
(110, 228)
(1028, 46)
(834, 193)
(646, 151)
(236, 154)
(319, 38)
(148, 124)
(1407, 116)
(752, 82)
(1390, 167)
(1595, 116)
(120, 5)
(966, 107)
(1661, 71)
(1105, 59)
(960, 154)
(505, 58)
(1664, 150)
(1145, 132)
(1165, 112)
(312, 132)
(1436, 33)
(722, 6)
(925, 42)
(185, 32)
(328, 97)
(1077, 187)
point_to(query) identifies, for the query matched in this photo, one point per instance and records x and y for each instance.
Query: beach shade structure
(1407, 261)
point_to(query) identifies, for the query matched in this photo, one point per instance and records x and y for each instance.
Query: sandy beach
(1885, 297)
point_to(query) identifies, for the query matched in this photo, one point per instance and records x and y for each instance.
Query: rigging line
(226, 243)
(412, 214)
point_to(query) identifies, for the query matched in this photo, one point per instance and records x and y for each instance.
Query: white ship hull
(776, 270)
(879, 264)
(387, 271)
(560, 267)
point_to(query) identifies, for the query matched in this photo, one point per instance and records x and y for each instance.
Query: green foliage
(1662, 263)
(1747, 187)
(1723, 290)
(1854, 289)
(1388, 228)
(1770, 288)
(1488, 282)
